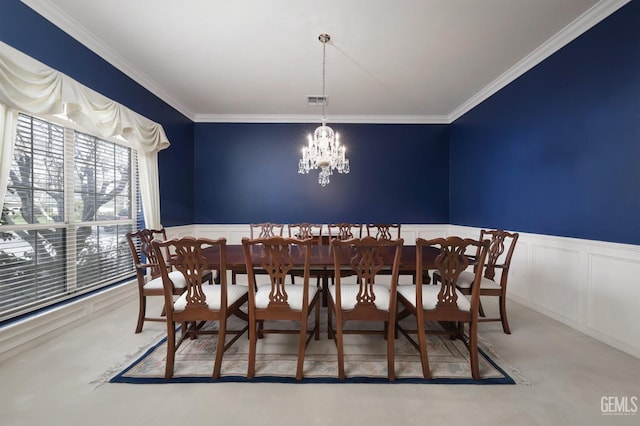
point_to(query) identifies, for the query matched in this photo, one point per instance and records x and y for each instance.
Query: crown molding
(580, 25)
(63, 21)
(569, 33)
(284, 118)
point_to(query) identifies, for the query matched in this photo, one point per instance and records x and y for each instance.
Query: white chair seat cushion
(294, 295)
(212, 294)
(349, 292)
(176, 277)
(430, 296)
(466, 278)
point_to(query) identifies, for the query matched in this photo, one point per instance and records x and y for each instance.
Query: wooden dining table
(321, 257)
(321, 260)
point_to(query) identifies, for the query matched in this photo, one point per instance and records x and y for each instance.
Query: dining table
(322, 259)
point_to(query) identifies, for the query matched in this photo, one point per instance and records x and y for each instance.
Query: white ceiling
(393, 61)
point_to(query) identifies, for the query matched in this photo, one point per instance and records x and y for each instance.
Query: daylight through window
(71, 198)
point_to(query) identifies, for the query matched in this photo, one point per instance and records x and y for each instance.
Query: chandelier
(324, 150)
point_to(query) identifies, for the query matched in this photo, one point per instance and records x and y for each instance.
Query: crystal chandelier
(324, 150)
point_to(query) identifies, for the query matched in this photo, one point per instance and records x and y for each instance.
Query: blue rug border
(119, 378)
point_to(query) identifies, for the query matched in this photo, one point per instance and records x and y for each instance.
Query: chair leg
(141, 313)
(317, 318)
(171, 349)
(220, 349)
(301, 346)
(340, 345)
(391, 370)
(503, 315)
(473, 350)
(251, 370)
(330, 320)
(480, 310)
(422, 342)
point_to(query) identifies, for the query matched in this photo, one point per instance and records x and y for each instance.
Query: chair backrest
(383, 230)
(344, 231)
(498, 257)
(188, 257)
(277, 256)
(366, 258)
(304, 231)
(266, 230)
(452, 259)
(144, 256)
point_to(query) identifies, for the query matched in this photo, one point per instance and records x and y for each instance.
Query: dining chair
(279, 301)
(148, 276)
(499, 256)
(266, 229)
(199, 303)
(365, 301)
(260, 230)
(344, 231)
(304, 231)
(383, 230)
(389, 231)
(443, 302)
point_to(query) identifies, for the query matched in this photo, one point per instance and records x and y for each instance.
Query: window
(71, 199)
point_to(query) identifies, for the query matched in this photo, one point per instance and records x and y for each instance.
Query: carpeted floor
(365, 361)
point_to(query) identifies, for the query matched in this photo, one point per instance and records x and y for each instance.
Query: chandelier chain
(324, 66)
(324, 150)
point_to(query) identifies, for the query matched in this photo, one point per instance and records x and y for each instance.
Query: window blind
(71, 199)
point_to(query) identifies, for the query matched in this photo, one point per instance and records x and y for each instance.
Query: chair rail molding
(588, 285)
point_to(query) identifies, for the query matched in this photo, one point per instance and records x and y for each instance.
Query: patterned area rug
(365, 360)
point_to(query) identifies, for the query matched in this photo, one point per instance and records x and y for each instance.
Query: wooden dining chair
(366, 300)
(148, 272)
(443, 302)
(499, 256)
(344, 231)
(279, 301)
(266, 229)
(199, 303)
(260, 230)
(388, 231)
(307, 231)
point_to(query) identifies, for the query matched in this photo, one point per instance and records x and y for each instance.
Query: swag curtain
(30, 86)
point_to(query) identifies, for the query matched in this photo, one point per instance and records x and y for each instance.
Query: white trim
(588, 285)
(19, 336)
(283, 118)
(613, 267)
(569, 33)
(581, 24)
(57, 17)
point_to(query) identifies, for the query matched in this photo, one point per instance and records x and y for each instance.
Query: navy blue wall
(28, 32)
(558, 150)
(249, 173)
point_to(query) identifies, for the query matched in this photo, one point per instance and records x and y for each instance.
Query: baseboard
(19, 336)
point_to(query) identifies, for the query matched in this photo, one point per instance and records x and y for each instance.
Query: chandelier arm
(324, 150)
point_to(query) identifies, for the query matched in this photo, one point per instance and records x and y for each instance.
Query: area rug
(365, 361)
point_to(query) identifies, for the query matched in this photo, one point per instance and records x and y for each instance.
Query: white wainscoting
(592, 286)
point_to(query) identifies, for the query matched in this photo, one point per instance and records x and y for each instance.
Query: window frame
(70, 224)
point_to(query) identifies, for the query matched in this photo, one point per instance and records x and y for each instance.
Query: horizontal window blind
(71, 199)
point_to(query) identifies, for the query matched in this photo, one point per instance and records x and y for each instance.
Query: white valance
(29, 86)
